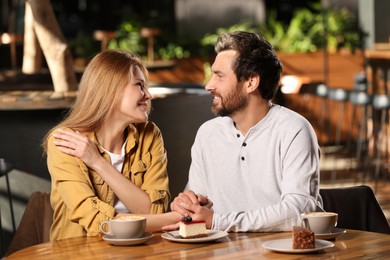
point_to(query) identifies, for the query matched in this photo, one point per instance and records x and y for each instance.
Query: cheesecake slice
(192, 229)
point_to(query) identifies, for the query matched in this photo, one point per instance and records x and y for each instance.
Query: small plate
(336, 232)
(127, 242)
(285, 246)
(211, 236)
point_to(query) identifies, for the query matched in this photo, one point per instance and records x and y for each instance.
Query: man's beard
(232, 103)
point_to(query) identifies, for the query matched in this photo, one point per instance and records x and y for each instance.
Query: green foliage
(173, 51)
(342, 30)
(297, 37)
(304, 33)
(128, 38)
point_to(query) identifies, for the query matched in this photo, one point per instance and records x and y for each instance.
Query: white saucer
(285, 246)
(127, 242)
(212, 235)
(336, 232)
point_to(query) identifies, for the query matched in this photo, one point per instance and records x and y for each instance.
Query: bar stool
(319, 91)
(150, 34)
(341, 96)
(363, 100)
(381, 103)
(104, 37)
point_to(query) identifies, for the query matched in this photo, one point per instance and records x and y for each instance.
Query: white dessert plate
(285, 246)
(212, 235)
(128, 242)
(336, 232)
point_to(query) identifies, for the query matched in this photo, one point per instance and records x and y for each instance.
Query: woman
(105, 159)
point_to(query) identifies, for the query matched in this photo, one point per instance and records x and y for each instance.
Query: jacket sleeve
(72, 187)
(154, 179)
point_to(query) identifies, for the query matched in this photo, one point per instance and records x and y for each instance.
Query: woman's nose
(147, 94)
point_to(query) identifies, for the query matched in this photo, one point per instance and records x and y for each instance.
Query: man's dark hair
(256, 56)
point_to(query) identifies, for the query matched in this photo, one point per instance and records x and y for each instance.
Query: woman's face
(135, 102)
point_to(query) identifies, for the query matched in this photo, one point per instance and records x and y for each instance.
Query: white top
(261, 181)
(117, 161)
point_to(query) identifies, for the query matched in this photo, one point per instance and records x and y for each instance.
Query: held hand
(200, 213)
(78, 145)
(204, 201)
(187, 196)
(171, 227)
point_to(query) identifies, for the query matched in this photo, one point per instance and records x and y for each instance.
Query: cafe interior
(339, 83)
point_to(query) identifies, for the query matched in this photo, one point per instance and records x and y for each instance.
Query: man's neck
(250, 115)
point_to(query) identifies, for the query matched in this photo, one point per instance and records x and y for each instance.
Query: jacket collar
(132, 138)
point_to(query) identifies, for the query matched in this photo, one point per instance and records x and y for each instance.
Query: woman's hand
(78, 145)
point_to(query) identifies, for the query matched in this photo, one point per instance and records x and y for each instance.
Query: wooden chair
(357, 207)
(34, 227)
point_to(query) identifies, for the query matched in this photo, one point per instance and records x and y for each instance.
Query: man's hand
(189, 197)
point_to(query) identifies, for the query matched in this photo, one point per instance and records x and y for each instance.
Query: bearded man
(255, 167)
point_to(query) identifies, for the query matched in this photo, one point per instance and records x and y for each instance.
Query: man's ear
(253, 83)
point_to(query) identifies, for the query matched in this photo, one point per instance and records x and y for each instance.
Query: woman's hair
(255, 57)
(100, 89)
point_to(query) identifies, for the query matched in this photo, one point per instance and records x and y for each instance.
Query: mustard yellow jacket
(81, 199)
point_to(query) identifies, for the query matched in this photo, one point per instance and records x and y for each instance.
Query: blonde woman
(106, 159)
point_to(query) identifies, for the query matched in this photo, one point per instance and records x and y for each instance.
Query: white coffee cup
(124, 227)
(319, 222)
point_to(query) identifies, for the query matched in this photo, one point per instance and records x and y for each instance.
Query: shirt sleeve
(72, 186)
(278, 217)
(196, 180)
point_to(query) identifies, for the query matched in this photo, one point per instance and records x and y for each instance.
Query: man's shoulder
(214, 123)
(288, 116)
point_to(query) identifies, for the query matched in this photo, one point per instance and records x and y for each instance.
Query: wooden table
(354, 244)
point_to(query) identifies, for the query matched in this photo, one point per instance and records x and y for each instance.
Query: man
(257, 162)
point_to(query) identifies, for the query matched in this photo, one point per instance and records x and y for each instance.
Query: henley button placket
(244, 144)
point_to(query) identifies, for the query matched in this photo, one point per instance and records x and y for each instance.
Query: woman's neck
(111, 137)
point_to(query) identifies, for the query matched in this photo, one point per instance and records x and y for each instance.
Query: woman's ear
(253, 83)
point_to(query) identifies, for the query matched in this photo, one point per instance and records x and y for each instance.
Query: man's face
(229, 96)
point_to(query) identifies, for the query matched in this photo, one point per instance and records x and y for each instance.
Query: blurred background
(317, 41)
